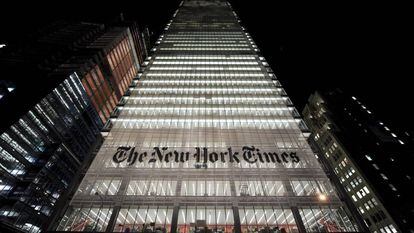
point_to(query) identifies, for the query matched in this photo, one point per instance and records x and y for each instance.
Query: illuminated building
(56, 94)
(206, 140)
(371, 162)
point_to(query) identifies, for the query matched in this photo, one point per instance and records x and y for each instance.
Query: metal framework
(206, 86)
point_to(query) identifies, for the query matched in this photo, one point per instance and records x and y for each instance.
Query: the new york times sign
(249, 154)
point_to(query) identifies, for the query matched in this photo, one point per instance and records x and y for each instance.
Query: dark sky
(365, 49)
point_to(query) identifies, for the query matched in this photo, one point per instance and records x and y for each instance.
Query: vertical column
(237, 223)
(294, 208)
(112, 220)
(236, 216)
(115, 211)
(288, 188)
(232, 187)
(178, 187)
(298, 219)
(174, 220)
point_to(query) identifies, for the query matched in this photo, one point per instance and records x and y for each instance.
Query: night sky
(365, 49)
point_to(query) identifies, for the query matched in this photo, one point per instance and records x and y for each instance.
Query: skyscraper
(206, 140)
(56, 93)
(372, 162)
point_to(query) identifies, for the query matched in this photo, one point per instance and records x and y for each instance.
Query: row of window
(205, 112)
(210, 81)
(368, 205)
(209, 125)
(206, 187)
(230, 123)
(205, 57)
(206, 49)
(205, 33)
(206, 109)
(204, 37)
(204, 68)
(207, 80)
(388, 229)
(227, 40)
(218, 218)
(228, 100)
(207, 74)
(209, 45)
(205, 26)
(204, 85)
(207, 91)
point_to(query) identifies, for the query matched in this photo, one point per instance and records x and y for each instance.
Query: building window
(10, 164)
(259, 188)
(4, 187)
(393, 229)
(102, 187)
(319, 219)
(205, 188)
(369, 158)
(16, 146)
(195, 218)
(85, 219)
(152, 187)
(354, 198)
(393, 187)
(144, 219)
(256, 219)
(311, 187)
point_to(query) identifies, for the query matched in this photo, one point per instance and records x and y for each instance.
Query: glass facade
(42, 152)
(106, 81)
(206, 141)
(100, 92)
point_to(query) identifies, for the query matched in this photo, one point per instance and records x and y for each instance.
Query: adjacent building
(206, 140)
(371, 162)
(56, 93)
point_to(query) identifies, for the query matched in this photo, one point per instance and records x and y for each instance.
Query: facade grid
(206, 140)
